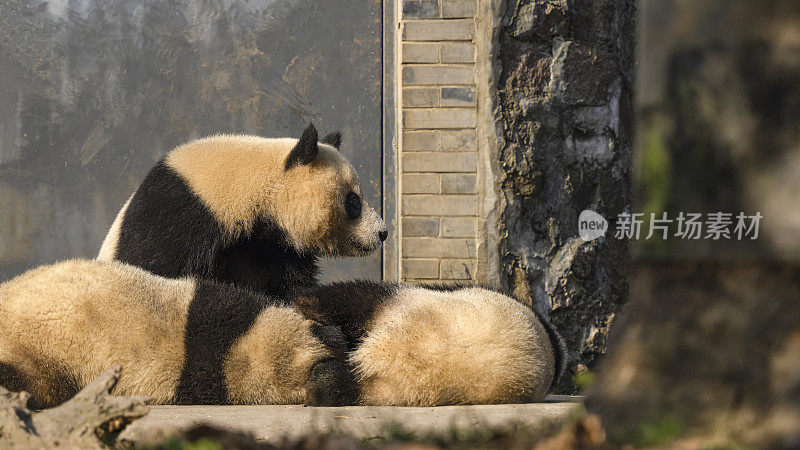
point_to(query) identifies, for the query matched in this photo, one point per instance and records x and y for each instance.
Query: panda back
(431, 347)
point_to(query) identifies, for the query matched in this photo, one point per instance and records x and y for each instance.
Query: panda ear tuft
(306, 149)
(334, 139)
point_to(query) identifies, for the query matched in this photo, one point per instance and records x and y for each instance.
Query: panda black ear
(334, 139)
(306, 149)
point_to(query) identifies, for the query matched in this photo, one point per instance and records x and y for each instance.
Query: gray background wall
(94, 92)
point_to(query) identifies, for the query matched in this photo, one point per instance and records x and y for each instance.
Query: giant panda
(180, 341)
(246, 210)
(439, 344)
(265, 257)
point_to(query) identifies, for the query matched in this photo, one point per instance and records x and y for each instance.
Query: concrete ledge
(272, 422)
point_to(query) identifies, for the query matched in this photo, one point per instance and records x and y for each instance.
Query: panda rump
(179, 341)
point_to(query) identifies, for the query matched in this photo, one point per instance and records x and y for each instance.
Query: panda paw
(331, 383)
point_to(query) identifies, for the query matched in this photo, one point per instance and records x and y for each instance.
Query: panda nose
(382, 235)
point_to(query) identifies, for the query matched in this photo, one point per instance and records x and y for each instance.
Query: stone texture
(420, 183)
(415, 141)
(439, 30)
(582, 75)
(565, 124)
(439, 162)
(419, 52)
(457, 52)
(421, 269)
(458, 226)
(459, 141)
(438, 248)
(459, 183)
(434, 118)
(420, 226)
(420, 9)
(438, 74)
(420, 97)
(459, 8)
(458, 96)
(540, 19)
(440, 205)
(370, 427)
(456, 269)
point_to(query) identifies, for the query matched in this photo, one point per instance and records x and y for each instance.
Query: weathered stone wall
(564, 76)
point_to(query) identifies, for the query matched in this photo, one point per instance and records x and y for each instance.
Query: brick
(440, 205)
(440, 162)
(438, 74)
(423, 247)
(457, 52)
(458, 227)
(418, 183)
(420, 268)
(458, 183)
(439, 118)
(420, 9)
(456, 269)
(459, 141)
(419, 52)
(420, 226)
(459, 8)
(439, 30)
(415, 141)
(458, 96)
(420, 97)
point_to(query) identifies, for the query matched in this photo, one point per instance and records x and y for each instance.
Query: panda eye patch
(352, 205)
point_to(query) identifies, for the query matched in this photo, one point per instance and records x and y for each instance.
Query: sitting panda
(180, 341)
(246, 210)
(441, 344)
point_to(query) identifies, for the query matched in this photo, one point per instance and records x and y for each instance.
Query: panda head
(324, 211)
(303, 187)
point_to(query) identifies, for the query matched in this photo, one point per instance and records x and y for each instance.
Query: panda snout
(383, 234)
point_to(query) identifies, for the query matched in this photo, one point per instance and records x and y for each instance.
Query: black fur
(49, 383)
(168, 231)
(218, 315)
(265, 262)
(306, 149)
(348, 304)
(559, 347)
(334, 139)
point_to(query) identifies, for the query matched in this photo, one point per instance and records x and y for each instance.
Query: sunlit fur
(62, 325)
(428, 347)
(241, 177)
(109, 247)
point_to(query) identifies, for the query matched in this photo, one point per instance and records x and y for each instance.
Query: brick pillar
(438, 147)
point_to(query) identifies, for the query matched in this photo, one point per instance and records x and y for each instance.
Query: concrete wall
(94, 92)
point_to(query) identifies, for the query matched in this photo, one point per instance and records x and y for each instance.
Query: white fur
(109, 248)
(72, 320)
(427, 348)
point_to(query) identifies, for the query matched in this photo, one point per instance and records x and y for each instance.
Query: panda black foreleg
(331, 382)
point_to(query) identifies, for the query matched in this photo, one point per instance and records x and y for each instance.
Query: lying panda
(179, 341)
(439, 345)
(246, 210)
(196, 342)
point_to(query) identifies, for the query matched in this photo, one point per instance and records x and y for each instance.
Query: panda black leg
(331, 383)
(10, 378)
